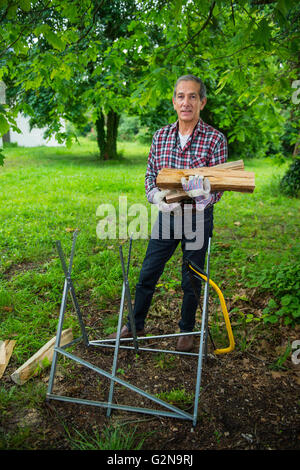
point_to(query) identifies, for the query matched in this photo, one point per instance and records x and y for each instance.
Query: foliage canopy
(79, 60)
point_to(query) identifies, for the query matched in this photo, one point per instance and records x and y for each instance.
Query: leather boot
(185, 343)
(125, 333)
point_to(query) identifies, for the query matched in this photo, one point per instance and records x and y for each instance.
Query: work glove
(198, 188)
(158, 200)
(202, 202)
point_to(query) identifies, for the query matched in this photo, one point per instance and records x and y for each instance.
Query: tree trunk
(112, 124)
(100, 129)
(107, 139)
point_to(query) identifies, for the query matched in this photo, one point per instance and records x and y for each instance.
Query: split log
(41, 359)
(6, 349)
(235, 165)
(221, 179)
(178, 194)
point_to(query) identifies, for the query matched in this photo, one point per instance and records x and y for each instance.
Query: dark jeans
(159, 251)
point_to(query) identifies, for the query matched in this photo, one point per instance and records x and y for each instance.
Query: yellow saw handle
(225, 315)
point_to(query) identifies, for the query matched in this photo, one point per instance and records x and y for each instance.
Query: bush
(284, 283)
(290, 183)
(128, 128)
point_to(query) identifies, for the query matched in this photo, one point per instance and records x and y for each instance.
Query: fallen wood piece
(178, 194)
(41, 359)
(220, 179)
(6, 349)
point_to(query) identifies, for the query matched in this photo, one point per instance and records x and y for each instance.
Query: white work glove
(158, 200)
(198, 188)
(202, 202)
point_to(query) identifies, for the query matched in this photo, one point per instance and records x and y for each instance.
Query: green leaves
(1, 157)
(289, 310)
(283, 281)
(263, 32)
(127, 55)
(290, 183)
(4, 125)
(53, 38)
(25, 5)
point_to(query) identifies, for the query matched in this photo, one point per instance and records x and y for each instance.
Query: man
(188, 143)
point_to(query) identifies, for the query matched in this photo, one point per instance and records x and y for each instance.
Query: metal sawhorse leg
(118, 343)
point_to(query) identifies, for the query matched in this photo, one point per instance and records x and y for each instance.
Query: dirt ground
(245, 403)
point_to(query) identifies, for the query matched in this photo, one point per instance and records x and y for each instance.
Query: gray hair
(193, 78)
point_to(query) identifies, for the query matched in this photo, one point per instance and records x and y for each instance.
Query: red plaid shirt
(205, 147)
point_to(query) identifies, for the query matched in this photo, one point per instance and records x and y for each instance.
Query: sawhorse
(118, 343)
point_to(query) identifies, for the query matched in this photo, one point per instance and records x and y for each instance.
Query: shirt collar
(199, 128)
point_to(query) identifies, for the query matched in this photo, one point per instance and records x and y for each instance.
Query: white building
(30, 138)
(27, 137)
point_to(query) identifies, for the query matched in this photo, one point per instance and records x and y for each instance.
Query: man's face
(187, 101)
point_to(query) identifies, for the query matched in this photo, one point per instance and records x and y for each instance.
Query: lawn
(46, 193)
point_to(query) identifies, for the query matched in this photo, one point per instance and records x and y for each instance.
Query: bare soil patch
(245, 403)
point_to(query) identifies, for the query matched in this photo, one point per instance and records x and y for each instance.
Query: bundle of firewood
(229, 176)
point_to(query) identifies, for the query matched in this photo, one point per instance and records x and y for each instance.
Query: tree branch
(92, 23)
(35, 19)
(205, 24)
(183, 44)
(264, 2)
(232, 13)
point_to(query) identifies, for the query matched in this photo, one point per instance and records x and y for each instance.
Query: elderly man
(188, 143)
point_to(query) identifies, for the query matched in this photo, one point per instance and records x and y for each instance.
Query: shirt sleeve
(151, 172)
(219, 155)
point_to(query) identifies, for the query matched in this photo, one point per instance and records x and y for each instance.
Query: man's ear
(173, 101)
(203, 103)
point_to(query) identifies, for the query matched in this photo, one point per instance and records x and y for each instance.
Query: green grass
(177, 396)
(48, 192)
(112, 438)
